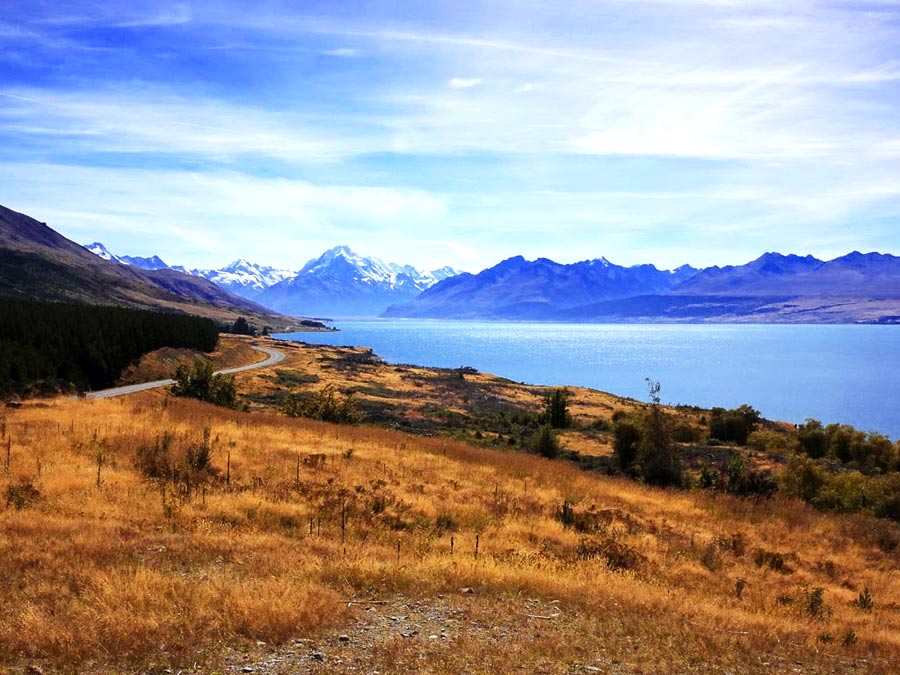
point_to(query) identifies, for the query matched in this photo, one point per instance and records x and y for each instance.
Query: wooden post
(298, 468)
(99, 464)
(343, 519)
(477, 540)
(451, 546)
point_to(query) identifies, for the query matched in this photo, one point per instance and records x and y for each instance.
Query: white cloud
(153, 120)
(464, 82)
(344, 52)
(207, 219)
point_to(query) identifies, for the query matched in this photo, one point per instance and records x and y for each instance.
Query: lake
(846, 374)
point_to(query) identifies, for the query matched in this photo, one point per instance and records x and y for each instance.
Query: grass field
(149, 531)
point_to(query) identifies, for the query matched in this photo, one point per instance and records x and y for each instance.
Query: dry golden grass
(133, 571)
(160, 364)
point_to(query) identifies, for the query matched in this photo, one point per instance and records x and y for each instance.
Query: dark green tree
(242, 327)
(556, 409)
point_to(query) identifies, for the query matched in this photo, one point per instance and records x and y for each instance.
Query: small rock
(344, 638)
(260, 643)
(318, 656)
(468, 590)
(247, 669)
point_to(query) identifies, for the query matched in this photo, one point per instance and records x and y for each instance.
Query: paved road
(275, 356)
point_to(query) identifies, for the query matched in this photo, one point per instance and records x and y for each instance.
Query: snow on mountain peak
(101, 251)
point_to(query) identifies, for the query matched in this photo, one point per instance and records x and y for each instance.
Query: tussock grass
(291, 518)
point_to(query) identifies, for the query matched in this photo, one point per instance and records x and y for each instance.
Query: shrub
(683, 432)
(21, 494)
(625, 447)
(864, 601)
(198, 381)
(802, 478)
(812, 438)
(544, 442)
(813, 601)
(733, 425)
(324, 405)
(771, 441)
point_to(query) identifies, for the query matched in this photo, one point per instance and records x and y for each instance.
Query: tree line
(48, 346)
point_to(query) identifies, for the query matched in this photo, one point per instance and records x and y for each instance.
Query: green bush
(625, 446)
(813, 439)
(544, 442)
(325, 405)
(733, 426)
(199, 381)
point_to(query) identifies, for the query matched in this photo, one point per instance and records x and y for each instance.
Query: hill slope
(38, 263)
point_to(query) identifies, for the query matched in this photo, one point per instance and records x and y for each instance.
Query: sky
(454, 133)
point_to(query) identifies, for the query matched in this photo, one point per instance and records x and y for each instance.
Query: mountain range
(774, 288)
(38, 263)
(337, 283)
(519, 289)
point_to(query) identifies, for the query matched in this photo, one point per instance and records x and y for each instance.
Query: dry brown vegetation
(149, 531)
(232, 351)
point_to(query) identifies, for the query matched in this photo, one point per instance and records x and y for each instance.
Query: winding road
(275, 356)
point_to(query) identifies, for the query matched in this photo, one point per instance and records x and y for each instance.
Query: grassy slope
(136, 571)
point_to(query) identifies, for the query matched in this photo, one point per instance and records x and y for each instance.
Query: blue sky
(448, 133)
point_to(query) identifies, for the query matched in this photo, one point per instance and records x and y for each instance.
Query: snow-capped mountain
(337, 283)
(245, 278)
(241, 277)
(151, 263)
(343, 283)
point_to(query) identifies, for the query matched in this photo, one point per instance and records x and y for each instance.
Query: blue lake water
(847, 374)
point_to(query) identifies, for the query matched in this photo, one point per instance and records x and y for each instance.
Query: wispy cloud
(344, 52)
(463, 82)
(708, 125)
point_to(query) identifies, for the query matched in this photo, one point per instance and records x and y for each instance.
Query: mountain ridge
(773, 288)
(38, 263)
(337, 282)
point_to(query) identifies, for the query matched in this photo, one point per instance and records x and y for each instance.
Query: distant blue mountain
(519, 289)
(854, 288)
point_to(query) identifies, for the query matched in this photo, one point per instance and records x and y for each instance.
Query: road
(275, 356)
